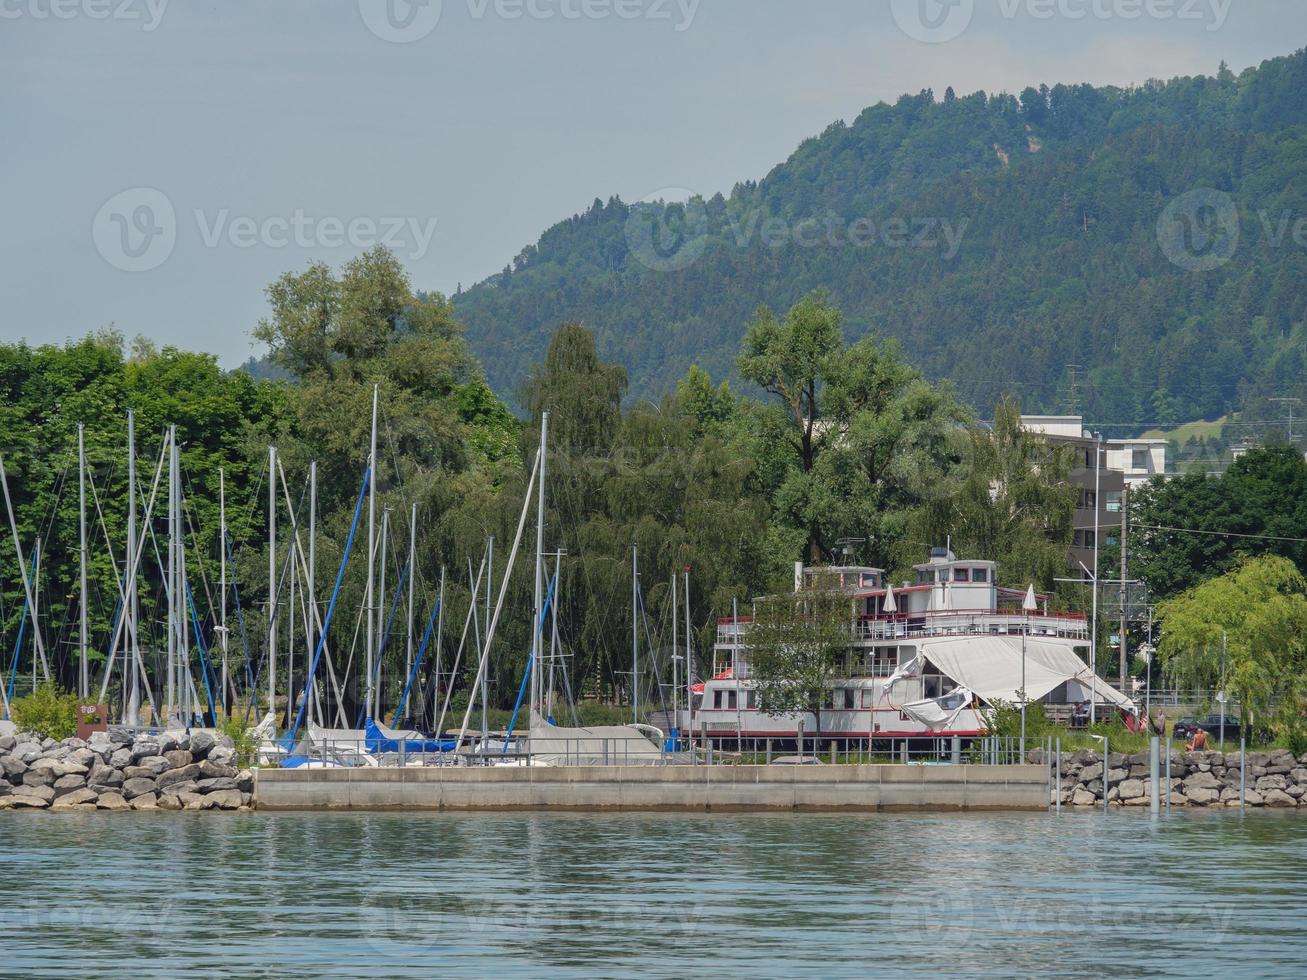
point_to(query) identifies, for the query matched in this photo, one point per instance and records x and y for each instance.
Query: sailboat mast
(381, 613)
(369, 600)
(83, 678)
(689, 665)
(412, 577)
(272, 579)
(310, 587)
(485, 682)
(132, 714)
(536, 624)
(222, 581)
(676, 685)
(170, 702)
(635, 641)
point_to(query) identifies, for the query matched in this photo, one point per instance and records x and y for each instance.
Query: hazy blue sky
(272, 132)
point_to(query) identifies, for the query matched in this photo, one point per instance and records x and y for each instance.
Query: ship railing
(970, 623)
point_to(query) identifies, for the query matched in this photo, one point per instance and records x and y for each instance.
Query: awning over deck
(991, 667)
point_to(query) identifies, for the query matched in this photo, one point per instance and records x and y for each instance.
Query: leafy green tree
(1260, 611)
(797, 645)
(1011, 501)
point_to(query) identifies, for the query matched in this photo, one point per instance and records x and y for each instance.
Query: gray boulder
(191, 801)
(18, 802)
(1278, 798)
(1200, 795)
(216, 784)
(1272, 782)
(180, 775)
(144, 746)
(84, 757)
(76, 797)
(222, 755)
(7, 742)
(41, 792)
(178, 758)
(1091, 772)
(12, 767)
(1200, 780)
(26, 752)
(1299, 776)
(133, 788)
(201, 744)
(169, 801)
(1082, 798)
(1131, 789)
(66, 784)
(149, 801)
(245, 781)
(155, 764)
(112, 801)
(226, 799)
(39, 777)
(121, 758)
(213, 770)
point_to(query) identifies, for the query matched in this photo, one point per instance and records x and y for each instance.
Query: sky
(164, 160)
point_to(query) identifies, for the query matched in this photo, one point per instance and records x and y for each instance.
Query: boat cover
(991, 667)
(614, 744)
(381, 738)
(938, 714)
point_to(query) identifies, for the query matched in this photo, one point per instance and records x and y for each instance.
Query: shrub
(47, 711)
(238, 730)
(1004, 720)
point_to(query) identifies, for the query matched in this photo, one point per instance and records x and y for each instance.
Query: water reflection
(518, 894)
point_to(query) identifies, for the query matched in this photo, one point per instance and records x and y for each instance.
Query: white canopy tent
(991, 667)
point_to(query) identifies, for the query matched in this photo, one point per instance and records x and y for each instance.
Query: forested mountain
(1009, 243)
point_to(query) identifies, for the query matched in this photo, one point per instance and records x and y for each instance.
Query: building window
(1139, 459)
(1089, 500)
(1114, 501)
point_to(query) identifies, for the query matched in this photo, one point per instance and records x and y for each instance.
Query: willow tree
(1255, 620)
(796, 650)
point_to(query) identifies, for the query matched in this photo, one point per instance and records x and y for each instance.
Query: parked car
(1211, 724)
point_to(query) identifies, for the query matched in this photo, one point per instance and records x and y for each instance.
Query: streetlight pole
(1093, 642)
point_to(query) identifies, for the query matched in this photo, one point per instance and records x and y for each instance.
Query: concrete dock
(776, 787)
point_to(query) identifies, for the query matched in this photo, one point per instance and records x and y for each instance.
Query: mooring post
(1058, 768)
(955, 750)
(1168, 772)
(1243, 767)
(1107, 767)
(1154, 767)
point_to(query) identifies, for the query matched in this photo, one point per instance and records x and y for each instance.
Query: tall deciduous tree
(796, 649)
(1259, 610)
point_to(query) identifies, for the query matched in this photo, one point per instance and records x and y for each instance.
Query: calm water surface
(525, 895)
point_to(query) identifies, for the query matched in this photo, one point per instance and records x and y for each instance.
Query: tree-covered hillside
(1002, 240)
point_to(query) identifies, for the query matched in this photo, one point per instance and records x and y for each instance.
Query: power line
(1221, 534)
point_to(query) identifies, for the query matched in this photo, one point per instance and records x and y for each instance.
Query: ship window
(731, 701)
(926, 577)
(751, 700)
(849, 702)
(961, 575)
(906, 654)
(980, 575)
(717, 699)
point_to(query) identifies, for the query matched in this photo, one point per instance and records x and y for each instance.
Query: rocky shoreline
(117, 771)
(1200, 779)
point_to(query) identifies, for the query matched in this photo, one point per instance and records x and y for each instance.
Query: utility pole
(1125, 526)
(1289, 403)
(1093, 641)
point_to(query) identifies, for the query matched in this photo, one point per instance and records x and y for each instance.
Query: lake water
(507, 895)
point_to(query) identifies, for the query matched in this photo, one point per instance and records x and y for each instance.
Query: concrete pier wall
(879, 787)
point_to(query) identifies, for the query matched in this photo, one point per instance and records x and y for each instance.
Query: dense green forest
(1026, 258)
(730, 489)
